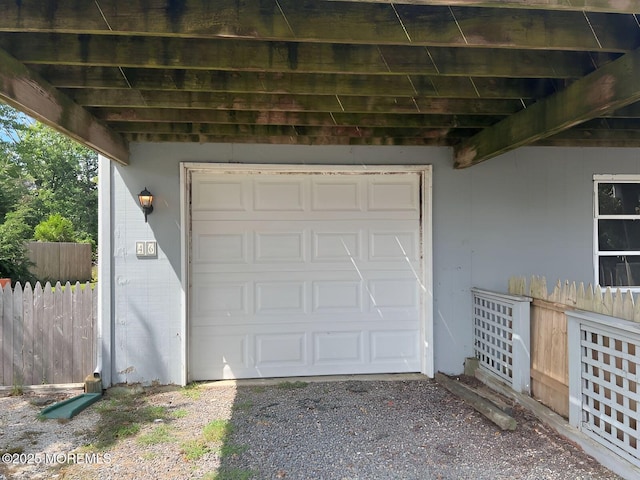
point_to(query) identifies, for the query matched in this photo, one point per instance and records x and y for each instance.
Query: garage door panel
(341, 246)
(280, 297)
(226, 298)
(337, 296)
(281, 349)
(218, 355)
(304, 275)
(392, 246)
(394, 346)
(394, 194)
(394, 293)
(339, 348)
(278, 195)
(280, 247)
(220, 195)
(221, 248)
(332, 196)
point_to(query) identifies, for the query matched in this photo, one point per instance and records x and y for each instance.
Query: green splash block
(71, 406)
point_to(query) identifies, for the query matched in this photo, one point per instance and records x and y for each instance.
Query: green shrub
(55, 229)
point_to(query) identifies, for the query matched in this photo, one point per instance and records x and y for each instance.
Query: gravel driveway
(349, 429)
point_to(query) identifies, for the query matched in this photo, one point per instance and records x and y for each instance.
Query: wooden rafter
(30, 93)
(106, 78)
(382, 23)
(610, 6)
(611, 87)
(293, 57)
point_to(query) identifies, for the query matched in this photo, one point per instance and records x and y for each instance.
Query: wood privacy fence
(548, 332)
(47, 334)
(67, 262)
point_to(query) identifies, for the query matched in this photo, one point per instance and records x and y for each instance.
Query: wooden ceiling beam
(294, 118)
(282, 130)
(292, 103)
(287, 140)
(291, 57)
(604, 6)
(78, 77)
(353, 23)
(31, 94)
(607, 89)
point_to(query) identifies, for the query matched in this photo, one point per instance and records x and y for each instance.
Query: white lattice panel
(610, 397)
(501, 336)
(493, 336)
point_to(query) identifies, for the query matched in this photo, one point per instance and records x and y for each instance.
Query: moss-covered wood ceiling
(484, 77)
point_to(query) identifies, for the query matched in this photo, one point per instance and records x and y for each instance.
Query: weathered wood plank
(293, 140)
(45, 389)
(593, 138)
(66, 341)
(49, 333)
(292, 103)
(329, 119)
(28, 350)
(76, 333)
(206, 129)
(292, 20)
(243, 55)
(31, 94)
(89, 339)
(608, 88)
(98, 77)
(611, 6)
(4, 339)
(558, 387)
(39, 329)
(18, 336)
(485, 407)
(58, 341)
(549, 355)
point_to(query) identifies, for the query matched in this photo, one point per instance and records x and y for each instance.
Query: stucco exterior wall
(527, 212)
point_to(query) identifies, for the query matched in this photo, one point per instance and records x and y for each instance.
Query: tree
(42, 173)
(12, 185)
(64, 176)
(14, 262)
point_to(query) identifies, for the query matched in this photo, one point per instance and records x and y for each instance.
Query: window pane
(618, 235)
(622, 271)
(619, 198)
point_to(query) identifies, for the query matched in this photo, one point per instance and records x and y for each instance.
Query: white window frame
(597, 253)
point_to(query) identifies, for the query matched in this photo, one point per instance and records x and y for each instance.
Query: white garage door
(304, 274)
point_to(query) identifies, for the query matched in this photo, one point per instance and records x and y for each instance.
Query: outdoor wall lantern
(146, 202)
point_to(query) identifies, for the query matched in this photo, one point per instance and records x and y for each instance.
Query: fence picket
(2, 336)
(590, 298)
(18, 335)
(46, 334)
(7, 327)
(607, 304)
(49, 328)
(67, 329)
(627, 306)
(28, 335)
(38, 332)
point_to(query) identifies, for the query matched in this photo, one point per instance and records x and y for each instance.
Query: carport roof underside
(484, 77)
